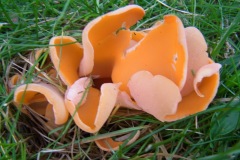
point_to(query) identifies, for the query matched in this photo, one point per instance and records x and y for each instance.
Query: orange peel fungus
(106, 37)
(66, 55)
(49, 97)
(164, 71)
(95, 106)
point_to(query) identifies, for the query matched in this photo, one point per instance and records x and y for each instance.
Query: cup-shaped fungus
(90, 107)
(44, 99)
(164, 71)
(66, 55)
(96, 106)
(108, 144)
(14, 80)
(202, 77)
(205, 83)
(168, 60)
(162, 51)
(106, 37)
(97, 60)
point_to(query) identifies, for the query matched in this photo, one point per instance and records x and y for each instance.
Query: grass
(211, 134)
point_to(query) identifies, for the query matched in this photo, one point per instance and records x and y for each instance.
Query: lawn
(210, 134)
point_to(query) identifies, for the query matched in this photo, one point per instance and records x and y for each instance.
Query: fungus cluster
(164, 71)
